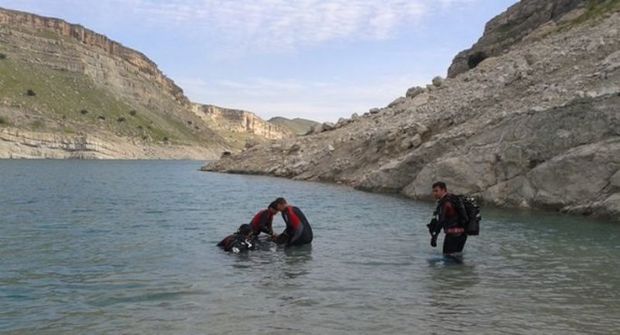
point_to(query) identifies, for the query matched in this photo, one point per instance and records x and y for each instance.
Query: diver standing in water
(298, 230)
(450, 216)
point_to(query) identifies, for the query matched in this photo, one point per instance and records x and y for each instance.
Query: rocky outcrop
(537, 126)
(20, 144)
(509, 28)
(297, 126)
(239, 121)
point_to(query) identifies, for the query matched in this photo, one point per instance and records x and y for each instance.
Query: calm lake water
(110, 247)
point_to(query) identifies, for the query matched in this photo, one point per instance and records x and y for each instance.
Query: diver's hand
(434, 241)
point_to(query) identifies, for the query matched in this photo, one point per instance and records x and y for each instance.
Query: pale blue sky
(318, 59)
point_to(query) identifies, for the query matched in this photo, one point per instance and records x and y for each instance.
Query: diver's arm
(269, 224)
(265, 223)
(441, 220)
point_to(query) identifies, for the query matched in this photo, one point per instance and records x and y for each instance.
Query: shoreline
(483, 204)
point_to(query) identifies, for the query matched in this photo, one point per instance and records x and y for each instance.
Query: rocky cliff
(21, 144)
(22, 24)
(534, 126)
(239, 124)
(63, 80)
(518, 22)
(297, 126)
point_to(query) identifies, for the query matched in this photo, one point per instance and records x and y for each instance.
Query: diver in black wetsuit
(242, 240)
(298, 230)
(449, 216)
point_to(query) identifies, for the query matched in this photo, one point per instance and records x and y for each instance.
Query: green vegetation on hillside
(595, 10)
(57, 100)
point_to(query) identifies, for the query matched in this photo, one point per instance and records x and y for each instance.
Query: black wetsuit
(236, 243)
(298, 230)
(449, 216)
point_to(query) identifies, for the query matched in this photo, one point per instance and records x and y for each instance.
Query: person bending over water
(298, 230)
(448, 216)
(263, 221)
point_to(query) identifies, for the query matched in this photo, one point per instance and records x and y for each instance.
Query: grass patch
(75, 100)
(595, 10)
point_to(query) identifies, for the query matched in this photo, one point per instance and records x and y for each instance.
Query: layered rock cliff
(63, 80)
(21, 144)
(22, 24)
(297, 126)
(536, 125)
(239, 123)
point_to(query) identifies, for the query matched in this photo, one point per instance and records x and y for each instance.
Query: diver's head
(278, 205)
(273, 207)
(245, 230)
(439, 190)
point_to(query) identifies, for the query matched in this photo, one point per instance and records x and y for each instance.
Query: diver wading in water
(298, 230)
(458, 216)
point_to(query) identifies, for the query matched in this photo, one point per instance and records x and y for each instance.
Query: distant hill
(297, 126)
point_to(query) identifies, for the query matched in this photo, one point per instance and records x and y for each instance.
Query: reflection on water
(129, 247)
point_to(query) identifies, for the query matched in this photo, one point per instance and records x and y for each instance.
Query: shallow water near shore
(103, 247)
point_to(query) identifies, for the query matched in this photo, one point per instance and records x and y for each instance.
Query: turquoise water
(99, 247)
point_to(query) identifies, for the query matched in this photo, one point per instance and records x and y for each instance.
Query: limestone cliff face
(536, 126)
(239, 121)
(61, 78)
(93, 42)
(65, 79)
(512, 26)
(21, 144)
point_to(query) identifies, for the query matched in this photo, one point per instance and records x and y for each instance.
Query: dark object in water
(242, 240)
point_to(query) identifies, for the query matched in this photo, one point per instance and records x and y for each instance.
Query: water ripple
(129, 247)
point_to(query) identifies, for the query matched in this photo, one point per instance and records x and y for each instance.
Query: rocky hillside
(297, 126)
(62, 83)
(535, 125)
